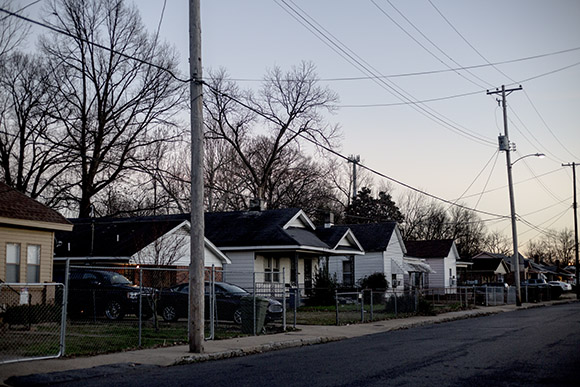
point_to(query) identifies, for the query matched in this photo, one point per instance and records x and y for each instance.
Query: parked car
(106, 293)
(174, 302)
(535, 282)
(566, 287)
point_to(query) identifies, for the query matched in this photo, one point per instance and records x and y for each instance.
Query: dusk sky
(444, 55)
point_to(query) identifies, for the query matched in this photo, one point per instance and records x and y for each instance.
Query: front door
(308, 274)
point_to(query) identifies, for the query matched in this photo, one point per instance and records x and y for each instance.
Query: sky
(412, 77)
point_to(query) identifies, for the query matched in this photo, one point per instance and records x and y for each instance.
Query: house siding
(240, 271)
(25, 238)
(368, 264)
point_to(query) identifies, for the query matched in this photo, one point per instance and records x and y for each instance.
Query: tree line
(93, 122)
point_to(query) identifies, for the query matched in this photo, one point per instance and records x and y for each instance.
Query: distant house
(486, 268)
(27, 230)
(153, 241)
(442, 257)
(275, 248)
(383, 252)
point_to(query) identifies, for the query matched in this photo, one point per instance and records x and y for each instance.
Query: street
(537, 346)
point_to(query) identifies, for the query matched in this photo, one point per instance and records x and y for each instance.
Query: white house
(383, 252)
(442, 257)
(274, 248)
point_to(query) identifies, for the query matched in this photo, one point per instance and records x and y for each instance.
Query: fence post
(212, 304)
(336, 302)
(254, 300)
(295, 305)
(395, 294)
(140, 304)
(284, 299)
(372, 318)
(361, 295)
(64, 310)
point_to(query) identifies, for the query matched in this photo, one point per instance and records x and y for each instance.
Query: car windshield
(118, 279)
(229, 288)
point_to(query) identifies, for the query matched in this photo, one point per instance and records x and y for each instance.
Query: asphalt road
(532, 347)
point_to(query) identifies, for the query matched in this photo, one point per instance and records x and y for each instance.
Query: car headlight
(133, 295)
(275, 308)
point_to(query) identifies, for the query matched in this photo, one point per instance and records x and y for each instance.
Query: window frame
(36, 266)
(16, 265)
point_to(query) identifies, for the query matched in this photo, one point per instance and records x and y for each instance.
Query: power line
(348, 54)
(429, 40)
(338, 154)
(63, 32)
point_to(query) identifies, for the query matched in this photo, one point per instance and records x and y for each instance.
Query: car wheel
(238, 316)
(114, 310)
(169, 313)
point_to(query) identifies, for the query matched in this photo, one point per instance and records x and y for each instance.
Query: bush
(324, 289)
(375, 281)
(32, 314)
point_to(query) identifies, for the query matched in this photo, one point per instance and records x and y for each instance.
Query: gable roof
(488, 265)
(373, 236)
(439, 248)
(339, 238)
(113, 237)
(20, 210)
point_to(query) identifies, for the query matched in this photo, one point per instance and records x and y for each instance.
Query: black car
(174, 302)
(106, 293)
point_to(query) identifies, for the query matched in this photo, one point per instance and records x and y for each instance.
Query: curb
(198, 358)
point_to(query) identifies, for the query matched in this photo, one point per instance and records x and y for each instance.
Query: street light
(516, 256)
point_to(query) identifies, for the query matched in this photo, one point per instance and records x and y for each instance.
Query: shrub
(375, 281)
(324, 290)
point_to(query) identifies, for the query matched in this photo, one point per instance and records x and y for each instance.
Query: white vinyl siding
(240, 271)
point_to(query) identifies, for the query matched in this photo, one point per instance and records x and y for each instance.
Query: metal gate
(31, 321)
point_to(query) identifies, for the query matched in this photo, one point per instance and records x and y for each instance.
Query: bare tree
(115, 106)
(554, 247)
(13, 31)
(497, 243)
(287, 108)
(31, 160)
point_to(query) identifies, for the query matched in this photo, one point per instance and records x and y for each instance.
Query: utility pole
(196, 265)
(575, 206)
(354, 160)
(504, 145)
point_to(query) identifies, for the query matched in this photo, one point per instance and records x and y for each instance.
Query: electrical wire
(63, 32)
(385, 13)
(339, 155)
(468, 43)
(321, 33)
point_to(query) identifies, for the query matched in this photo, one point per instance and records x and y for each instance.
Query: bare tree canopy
(259, 127)
(113, 107)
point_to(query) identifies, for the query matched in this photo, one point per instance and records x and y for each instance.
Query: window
(348, 272)
(33, 264)
(394, 282)
(12, 262)
(272, 269)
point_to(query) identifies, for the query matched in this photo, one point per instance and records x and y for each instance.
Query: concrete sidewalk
(221, 349)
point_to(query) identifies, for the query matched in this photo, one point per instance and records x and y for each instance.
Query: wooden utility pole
(575, 205)
(196, 265)
(504, 145)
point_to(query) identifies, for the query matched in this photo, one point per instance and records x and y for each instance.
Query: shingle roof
(429, 248)
(331, 235)
(113, 237)
(257, 228)
(488, 264)
(16, 205)
(373, 236)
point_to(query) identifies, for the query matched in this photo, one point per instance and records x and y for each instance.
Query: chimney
(328, 219)
(257, 204)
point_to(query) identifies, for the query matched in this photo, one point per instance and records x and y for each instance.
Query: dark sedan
(173, 303)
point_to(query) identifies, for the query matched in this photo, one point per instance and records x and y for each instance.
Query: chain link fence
(31, 321)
